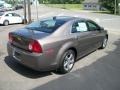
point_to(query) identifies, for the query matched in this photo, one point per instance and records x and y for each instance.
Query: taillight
(10, 38)
(35, 47)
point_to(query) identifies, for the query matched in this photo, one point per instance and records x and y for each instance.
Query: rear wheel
(6, 23)
(68, 60)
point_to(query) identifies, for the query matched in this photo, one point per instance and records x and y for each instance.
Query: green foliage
(13, 2)
(60, 1)
(66, 6)
(109, 4)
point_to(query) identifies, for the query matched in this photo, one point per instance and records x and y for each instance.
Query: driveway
(99, 70)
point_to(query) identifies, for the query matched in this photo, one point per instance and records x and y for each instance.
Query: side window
(79, 26)
(16, 15)
(92, 26)
(9, 15)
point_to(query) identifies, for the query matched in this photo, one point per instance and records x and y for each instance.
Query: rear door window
(79, 26)
(16, 15)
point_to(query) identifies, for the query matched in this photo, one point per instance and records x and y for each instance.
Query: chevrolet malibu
(56, 43)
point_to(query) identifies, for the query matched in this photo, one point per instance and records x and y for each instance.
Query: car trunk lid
(23, 37)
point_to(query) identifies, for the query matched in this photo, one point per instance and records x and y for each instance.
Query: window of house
(89, 6)
(94, 6)
(85, 5)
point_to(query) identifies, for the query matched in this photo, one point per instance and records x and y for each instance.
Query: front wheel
(68, 60)
(104, 44)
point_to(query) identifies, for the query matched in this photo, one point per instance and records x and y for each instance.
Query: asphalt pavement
(99, 70)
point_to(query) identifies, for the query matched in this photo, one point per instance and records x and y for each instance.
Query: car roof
(68, 18)
(9, 12)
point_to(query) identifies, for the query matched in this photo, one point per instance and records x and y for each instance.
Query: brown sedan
(56, 43)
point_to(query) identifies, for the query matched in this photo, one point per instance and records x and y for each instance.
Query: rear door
(83, 37)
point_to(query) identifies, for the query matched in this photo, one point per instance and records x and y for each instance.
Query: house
(91, 5)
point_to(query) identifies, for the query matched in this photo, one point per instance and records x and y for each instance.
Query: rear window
(47, 25)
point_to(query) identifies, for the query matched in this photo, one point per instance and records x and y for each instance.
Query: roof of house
(91, 1)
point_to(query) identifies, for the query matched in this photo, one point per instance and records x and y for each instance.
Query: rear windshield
(47, 25)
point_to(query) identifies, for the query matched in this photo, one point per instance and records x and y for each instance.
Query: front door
(84, 37)
(96, 33)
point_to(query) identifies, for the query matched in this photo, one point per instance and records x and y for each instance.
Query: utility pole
(25, 14)
(29, 11)
(119, 7)
(115, 7)
(36, 3)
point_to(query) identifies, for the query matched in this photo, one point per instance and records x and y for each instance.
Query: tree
(61, 1)
(108, 4)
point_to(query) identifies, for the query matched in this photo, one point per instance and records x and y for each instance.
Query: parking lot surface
(99, 70)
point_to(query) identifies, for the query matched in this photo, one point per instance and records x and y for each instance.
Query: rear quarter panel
(54, 48)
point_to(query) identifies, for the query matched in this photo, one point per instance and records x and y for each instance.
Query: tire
(68, 61)
(6, 23)
(104, 43)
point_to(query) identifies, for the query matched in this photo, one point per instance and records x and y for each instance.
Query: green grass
(74, 7)
(66, 6)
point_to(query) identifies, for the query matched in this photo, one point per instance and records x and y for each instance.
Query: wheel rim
(105, 42)
(69, 61)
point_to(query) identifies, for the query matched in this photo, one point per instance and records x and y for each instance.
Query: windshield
(47, 26)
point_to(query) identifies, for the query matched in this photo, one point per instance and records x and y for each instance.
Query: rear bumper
(39, 62)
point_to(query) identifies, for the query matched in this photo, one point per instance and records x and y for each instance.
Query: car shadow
(11, 24)
(24, 71)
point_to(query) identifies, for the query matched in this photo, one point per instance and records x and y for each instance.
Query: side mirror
(102, 28)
